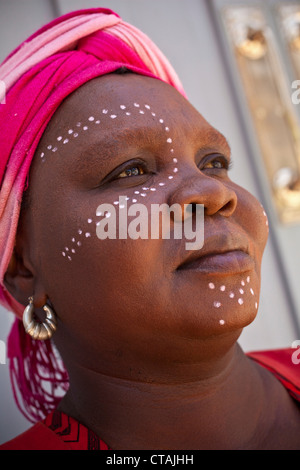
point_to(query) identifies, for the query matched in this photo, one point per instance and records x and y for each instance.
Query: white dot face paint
(231, 297)
(126, 111)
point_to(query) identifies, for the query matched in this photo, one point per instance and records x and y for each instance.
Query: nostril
(228, 208)
(193, 208)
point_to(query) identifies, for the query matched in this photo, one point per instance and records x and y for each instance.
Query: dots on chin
(239, 296)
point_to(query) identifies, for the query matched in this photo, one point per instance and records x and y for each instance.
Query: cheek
(242, 295)
(103, 212)
(254, 221)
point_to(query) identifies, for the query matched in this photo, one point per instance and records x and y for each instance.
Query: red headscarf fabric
(37, 77)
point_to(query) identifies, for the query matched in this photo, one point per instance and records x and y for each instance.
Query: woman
(146, 329)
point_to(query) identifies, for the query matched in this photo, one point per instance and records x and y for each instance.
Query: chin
(210, 323)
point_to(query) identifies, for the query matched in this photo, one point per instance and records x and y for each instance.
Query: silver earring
(39, 330)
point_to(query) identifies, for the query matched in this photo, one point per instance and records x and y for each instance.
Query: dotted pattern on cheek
(138, 195)
(237, 296)
(265, 215)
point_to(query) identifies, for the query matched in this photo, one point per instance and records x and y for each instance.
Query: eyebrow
(109, 145)
(112, 144)
(218, 138)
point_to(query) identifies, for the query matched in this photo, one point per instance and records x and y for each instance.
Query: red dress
(61, 432)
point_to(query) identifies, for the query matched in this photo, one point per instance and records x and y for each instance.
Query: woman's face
(126, 301)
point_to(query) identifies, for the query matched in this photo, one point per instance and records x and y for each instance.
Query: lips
(225, 253)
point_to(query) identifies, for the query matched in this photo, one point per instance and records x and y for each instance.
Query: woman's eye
(135, 170)
(219, 163)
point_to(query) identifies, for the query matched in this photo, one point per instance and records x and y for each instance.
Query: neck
(222, 409)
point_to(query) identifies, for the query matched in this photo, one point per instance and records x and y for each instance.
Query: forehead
(116, 110)
(113, 93)
(112, 90)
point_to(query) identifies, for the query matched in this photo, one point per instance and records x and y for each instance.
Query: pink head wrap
(38, 76)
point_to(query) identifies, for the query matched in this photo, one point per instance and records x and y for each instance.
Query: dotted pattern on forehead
(82, 127)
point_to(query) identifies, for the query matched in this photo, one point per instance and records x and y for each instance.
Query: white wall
(185, 33)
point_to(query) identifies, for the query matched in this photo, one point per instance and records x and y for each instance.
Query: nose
(214, 194)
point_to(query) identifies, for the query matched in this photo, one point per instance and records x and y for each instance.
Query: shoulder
(57, 431)
(38, 437)
(284, 364)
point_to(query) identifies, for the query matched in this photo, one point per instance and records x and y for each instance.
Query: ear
(20, 281)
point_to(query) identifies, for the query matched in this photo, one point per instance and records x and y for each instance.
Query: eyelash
(132, 170)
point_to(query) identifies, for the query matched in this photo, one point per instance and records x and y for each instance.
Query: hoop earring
(39, 330)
